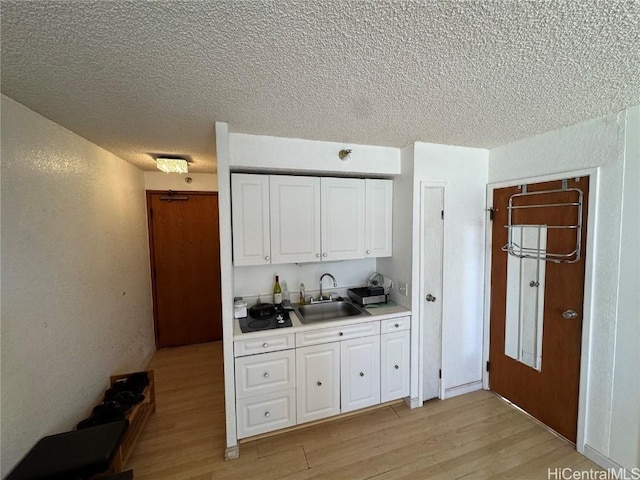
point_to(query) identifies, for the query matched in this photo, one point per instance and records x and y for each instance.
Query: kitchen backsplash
(254, 280)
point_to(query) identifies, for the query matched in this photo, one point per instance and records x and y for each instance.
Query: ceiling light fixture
(172, 165)
(344, 155)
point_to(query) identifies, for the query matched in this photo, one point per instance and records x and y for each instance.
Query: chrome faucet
(335, 284)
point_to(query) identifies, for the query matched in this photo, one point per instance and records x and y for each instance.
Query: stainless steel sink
(322, 312)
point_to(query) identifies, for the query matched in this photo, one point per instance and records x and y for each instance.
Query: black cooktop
(279, 320)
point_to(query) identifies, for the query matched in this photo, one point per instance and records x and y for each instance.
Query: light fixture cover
(172, 165)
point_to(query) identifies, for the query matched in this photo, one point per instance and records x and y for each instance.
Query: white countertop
(378, 312)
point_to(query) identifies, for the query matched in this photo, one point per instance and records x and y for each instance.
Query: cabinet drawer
(265, 413)
(263, 344)
(395, 324)
(266, 373)
(339, 333)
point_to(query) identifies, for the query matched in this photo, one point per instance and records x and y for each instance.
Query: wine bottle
(277, 293)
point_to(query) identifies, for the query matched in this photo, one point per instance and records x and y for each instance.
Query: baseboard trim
(462, 389)
(231, 453)
(412, 402)
(605, 462)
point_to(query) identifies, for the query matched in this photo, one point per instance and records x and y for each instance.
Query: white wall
(253, 280)
(297, 155)
(76, 293)
(625, 413)
(200, 182)
(463, 172)
(595, 143)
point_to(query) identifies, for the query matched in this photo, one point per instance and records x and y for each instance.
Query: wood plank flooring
(474, 436)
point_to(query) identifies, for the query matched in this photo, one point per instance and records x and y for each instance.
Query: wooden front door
(547, 388)
(185, 265)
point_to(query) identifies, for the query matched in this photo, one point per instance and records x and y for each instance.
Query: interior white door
(342, 218)
(360, 373)
(250, 213)
(432, 242)
(318, 381)
(379, 217)
(295, 219)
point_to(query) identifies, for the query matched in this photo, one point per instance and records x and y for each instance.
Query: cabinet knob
(397, 325)
(324, 254)
(319, 384)
(317, 255)
(362, 374)
(267, 258)
(267, 414)
(265, 345)
(340, 333)
(396, 367)
(266, 374)
(368, 252)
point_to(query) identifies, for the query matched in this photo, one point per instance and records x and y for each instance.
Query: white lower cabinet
(360, 373)
(265, 413)
(394, 365)
(318, 381)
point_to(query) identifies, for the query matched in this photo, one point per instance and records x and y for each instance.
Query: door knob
(430, 298)
(570, 314)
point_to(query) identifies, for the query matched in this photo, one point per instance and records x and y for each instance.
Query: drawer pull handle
(397, 325)
(267, 414)
(266, 374)
(265, 345)
(396, 367)
(362, 374)
(267, 258)
(324, 254)
(319, 384)
(317, 255)
(368, 252)
(340, 333)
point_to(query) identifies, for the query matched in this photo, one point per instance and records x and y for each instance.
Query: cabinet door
(394, 365)
(318, 381)
(295, 219)
(250, 214)
(379, 218)
(360, 373)
(342, 218)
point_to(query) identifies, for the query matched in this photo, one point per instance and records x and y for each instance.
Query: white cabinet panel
(318, 381)
(295, 219)
(270, 372)
(395, 324)
(333, 334)
(250, 218)
(343, 218)
(252, 346)
(379, 218)
(394, 365)
(265, 413)
(360, 373)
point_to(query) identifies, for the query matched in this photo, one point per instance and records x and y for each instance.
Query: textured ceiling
(140, 77)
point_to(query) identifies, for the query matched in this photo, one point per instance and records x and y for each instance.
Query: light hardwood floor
(473, 436)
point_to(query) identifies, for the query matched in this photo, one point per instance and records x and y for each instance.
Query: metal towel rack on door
(512, 248)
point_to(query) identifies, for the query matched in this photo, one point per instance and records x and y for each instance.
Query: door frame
(585, 353)
(147, 196)
(422, 281)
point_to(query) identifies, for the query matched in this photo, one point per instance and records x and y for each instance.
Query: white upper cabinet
(250, 213)
(379, 218)
(343, 218)
(295, 219)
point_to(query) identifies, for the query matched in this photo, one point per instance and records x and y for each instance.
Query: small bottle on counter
(302, 293)
(277, 293)
(286, 297)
